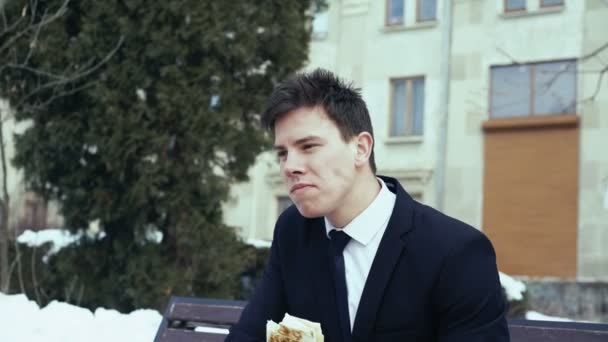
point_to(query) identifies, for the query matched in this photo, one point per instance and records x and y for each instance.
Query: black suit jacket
(434, 278)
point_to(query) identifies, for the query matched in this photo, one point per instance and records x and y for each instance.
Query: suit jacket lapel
(392, 246)
(320, 275)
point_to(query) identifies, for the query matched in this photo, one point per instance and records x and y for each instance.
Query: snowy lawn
(23, 321)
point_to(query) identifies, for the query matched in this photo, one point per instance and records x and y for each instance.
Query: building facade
(490, 111)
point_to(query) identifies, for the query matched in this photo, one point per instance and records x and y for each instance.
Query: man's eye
(308, 146)
(281, 154)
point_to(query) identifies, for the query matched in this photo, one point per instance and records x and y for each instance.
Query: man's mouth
(297, 187)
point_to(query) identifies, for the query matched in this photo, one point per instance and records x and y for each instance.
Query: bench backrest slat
(178, 335)
(220, 314)
(551, 334)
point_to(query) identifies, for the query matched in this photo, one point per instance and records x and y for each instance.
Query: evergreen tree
(152, 137)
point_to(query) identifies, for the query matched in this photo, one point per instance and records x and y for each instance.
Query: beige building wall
(482, 39)
(484, 36)
(593, 183)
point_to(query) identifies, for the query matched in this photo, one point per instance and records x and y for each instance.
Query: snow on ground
(23, 320)
(257, 243)
(514, 288)
(537, 316)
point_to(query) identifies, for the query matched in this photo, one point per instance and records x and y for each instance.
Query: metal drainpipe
(446, 29)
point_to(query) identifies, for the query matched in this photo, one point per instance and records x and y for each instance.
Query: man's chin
(309, 212)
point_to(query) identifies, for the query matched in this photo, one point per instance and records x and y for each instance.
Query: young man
(356, 253)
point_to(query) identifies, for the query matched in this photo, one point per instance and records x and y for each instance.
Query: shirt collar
(368, 223)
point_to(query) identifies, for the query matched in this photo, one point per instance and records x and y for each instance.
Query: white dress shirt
(366, 231)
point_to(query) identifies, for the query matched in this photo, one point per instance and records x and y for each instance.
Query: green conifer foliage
(150, 138)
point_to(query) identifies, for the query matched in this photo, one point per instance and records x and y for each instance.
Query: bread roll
(293, 329)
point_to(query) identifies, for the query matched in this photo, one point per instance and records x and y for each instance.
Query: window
(407, 106)
(520, 5)
(395, 11)
(283, 202)
(427, 10)
(320, 22)
(515, 5)
(549, 3)
(533, 89)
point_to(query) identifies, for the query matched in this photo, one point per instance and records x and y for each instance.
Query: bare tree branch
(34, 40)
(19, 267)
(595, 52)
(4, 205)
(598, 86)
(506, 54)
(32, 70)
(34, 277)
(33, 94)
(45, 21)
(72, 78)
(36, 107)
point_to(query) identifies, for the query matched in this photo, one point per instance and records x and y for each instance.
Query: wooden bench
(545, 331)
(207, 320)
(196, 319)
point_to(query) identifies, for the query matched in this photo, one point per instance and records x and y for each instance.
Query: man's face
(317, 165)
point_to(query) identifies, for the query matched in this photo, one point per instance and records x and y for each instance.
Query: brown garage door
(531, 194)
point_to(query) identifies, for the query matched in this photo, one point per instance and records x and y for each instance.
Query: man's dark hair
(341, 101)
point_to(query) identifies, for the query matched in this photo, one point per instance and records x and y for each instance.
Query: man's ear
(364, 144)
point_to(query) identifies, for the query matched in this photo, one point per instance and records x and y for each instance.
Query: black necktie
(339, 240)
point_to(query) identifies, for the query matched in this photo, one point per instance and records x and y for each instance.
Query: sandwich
(293, 329)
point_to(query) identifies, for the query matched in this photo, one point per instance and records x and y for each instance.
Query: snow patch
(514, 288)
(92, 149)
(61, 238)
(212, 330)
(537, 316)
(58, 238)
(214, 101)
(141, 94)
(23, 320)
(153, 234)
(151, 158)
(259, 243)
(260, 69)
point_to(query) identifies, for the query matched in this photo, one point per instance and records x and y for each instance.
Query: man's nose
(293, 164)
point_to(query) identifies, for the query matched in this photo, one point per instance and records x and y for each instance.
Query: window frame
(531, 90)
(409, 111)
(508, 10)
(543, 5)
(419, 12)
(315, 16)
(387, 13)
